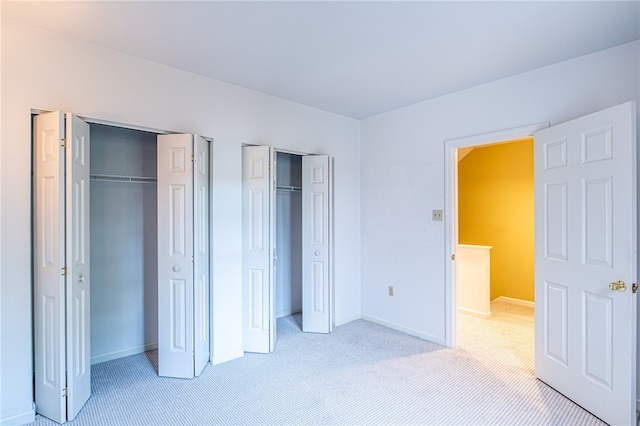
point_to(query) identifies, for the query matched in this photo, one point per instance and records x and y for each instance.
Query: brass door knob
(618, 286)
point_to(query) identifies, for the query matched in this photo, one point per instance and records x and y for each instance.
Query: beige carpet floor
(507, 337)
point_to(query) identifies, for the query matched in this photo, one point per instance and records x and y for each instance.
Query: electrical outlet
(436, 215)
(390, 290)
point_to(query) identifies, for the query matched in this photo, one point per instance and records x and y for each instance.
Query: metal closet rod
(120, 178)
(289, 188)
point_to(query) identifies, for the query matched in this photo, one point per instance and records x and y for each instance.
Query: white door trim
(451, 209)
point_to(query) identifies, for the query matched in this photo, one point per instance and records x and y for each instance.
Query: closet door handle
(81, 278)
(176, 268)
(317, 253)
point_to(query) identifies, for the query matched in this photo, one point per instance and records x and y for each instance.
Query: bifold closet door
(201, 264)
(317, 242)
(61, 265)
(183, 252)
(258, 242)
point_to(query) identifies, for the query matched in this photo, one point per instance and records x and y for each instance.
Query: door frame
(92, 120)
(451, 211)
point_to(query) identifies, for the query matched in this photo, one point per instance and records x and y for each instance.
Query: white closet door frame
(317, 244)
(175, 256)
(258, 241)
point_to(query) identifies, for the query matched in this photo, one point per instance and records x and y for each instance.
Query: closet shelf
(118, 178)
(288, 188)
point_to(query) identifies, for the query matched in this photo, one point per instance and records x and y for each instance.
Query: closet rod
(289, 188)
(118, 178)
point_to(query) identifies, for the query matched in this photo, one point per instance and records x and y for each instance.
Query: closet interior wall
(124, 242)
(288, 234)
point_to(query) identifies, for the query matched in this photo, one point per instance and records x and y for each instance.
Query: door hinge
(193, 158)
(634, 288)
(453, 257)
(65, 392)
(64, 143)
(64, 271)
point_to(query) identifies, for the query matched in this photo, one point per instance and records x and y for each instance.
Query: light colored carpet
(362, 374)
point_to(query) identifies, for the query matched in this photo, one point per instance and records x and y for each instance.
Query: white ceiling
(354, 58)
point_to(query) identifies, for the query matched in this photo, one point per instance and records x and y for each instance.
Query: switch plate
(437, 215)
(390, 290)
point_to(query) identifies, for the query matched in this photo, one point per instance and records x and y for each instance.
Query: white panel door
(49, 267)
(201, 253)
(61, 266)
(78, 265)
(175, 256)
(258, 237)
(317, 240)
(585, 213)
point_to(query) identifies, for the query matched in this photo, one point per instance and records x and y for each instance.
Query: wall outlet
(436, 215)
(390, 290)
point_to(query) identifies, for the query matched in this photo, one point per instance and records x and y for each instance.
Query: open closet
(121, 254)
(287, 209)
(288, 234)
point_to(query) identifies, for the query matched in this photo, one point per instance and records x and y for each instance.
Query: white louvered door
(585, 226)
(258, 236)
(317, 241)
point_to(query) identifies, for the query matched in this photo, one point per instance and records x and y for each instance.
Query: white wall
(48, 72)
(402, 164)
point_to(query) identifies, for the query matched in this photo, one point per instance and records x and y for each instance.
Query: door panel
(78, 263)
(175, 257)
(585, 190)
(317, 252)
(258, 201)
(49, 279)
(201, 253)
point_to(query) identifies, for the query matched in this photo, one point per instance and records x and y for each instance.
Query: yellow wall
(495, 208)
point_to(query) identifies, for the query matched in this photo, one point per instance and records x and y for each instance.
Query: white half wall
(48, 72)
(402, 164)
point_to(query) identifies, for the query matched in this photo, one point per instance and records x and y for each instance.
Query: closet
(124, 242)
(287, 209)
(102, 221)
(288, 234)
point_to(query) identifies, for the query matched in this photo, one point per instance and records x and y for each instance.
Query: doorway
(288, 265)
(454, 148)
(124, 242)
(495, 254)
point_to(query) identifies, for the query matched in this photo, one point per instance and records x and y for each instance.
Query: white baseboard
(394, 326)
(287, 312)
(124, 352)
(471, 312)
(515, 301)
(20, 419)
(227, 356)
(345, 320)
